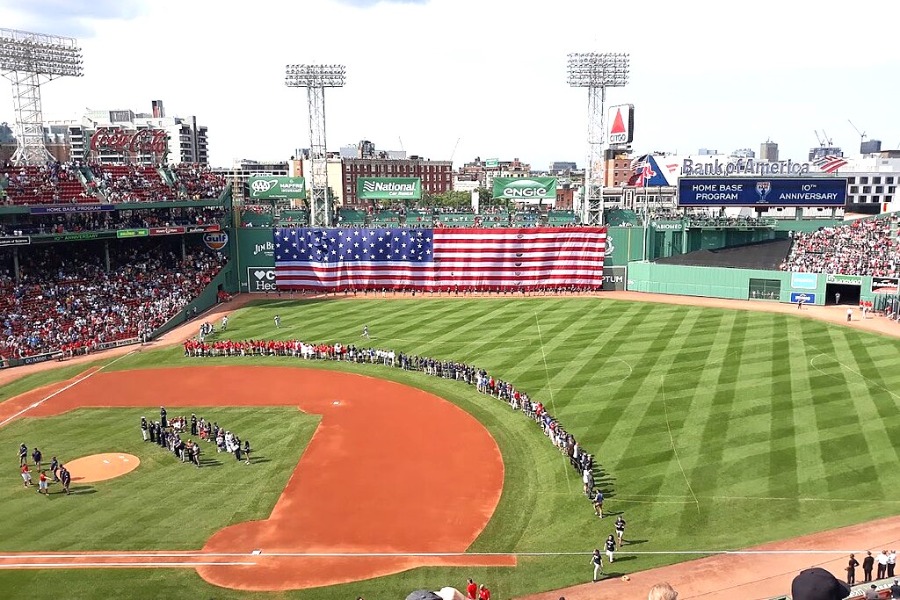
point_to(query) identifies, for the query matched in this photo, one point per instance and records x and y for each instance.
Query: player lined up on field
(168, 434)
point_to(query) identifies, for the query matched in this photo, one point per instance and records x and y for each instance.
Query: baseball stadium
(233, 386)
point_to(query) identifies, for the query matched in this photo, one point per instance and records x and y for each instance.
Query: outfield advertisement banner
(804, 281)
(389, 188)
(74, 237)
(885, 285)
(277, 188)
(154, 231)
(614, 279)
(758, 191)
(19, 240)
(806, 298)
(261, 280)
(843, 279)
(132, 233)
(57, 209)
(525, 189)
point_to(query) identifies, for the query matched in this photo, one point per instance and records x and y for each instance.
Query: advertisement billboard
(261, 280)
(807, 298)
(389, 188)
(277, 188)
(804, 281)
(525, 189)
(621, 124)
(885, 285)
(759, 191)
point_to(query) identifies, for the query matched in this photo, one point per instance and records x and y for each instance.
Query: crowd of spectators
(79, 182)
(864, 247)
(110, 220)
(68, 301)
(51, 183)
(198, 182)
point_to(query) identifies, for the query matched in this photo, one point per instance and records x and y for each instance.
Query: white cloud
(492, 74)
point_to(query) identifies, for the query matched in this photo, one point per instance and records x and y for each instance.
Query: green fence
(741, 284)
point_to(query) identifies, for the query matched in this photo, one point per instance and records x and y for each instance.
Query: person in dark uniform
(23, 455)
(868, 564)
(162, 417)
(66, 479)
(54, 467)
(895, 589)
(194, 425)
(247, 451)
(610, 548)
(851, 570)
(151, 429)
(145, 433)
(37, 457)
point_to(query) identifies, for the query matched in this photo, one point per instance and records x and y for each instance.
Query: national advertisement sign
(277, 188)
(806, 298)
(804, 281)
(755, 191)
(388, 188)
(261, 280)
(885, 285)
(18, 240)
(525, 189)
(843, 279)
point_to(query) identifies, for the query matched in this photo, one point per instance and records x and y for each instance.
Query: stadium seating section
(561, 218)
(352, 218)
(67, 183)
(70, 301)
(864, 247)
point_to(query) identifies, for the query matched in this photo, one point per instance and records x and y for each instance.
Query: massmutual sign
(388, 188)
(526, 189)
(743, 166)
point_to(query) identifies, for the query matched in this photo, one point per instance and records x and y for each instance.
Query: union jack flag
(830, 163)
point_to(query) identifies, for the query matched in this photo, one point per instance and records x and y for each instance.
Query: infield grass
(714, 429)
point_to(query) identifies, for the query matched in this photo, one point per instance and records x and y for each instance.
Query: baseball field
(714, 430)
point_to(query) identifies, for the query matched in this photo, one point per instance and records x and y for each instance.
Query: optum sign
(531, 189)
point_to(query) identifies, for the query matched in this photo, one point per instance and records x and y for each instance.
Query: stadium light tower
(315, 78)
(27, 60)
(596, 72)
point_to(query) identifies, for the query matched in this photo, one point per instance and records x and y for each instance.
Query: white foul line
(61, 390)
(549, 386)
(662, 382)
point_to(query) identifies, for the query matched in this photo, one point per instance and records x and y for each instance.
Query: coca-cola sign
(143, 141)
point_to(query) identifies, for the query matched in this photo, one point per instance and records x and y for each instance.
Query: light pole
(315, 78)
(596, 72)
(28, 60)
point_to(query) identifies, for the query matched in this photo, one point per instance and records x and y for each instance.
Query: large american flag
(432, 259)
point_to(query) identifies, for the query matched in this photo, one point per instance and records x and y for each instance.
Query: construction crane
(862, 134)
(455, 146)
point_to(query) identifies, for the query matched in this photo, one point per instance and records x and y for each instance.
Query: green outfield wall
(746, 284)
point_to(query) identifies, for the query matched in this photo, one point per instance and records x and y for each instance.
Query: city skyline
(489, 82)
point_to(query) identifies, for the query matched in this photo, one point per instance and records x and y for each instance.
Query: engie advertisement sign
(525, 189)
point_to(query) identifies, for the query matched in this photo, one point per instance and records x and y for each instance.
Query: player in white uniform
(365, 332)
(224, 322)
(277, 322)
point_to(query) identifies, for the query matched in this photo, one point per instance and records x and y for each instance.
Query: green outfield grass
(715, 430)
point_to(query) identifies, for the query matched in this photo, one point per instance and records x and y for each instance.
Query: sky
(456, 79)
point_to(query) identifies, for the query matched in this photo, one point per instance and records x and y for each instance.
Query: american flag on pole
(643, 171)
(439, 259)
(830, 163)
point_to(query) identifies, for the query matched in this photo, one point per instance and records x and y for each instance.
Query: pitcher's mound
(100, 467)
